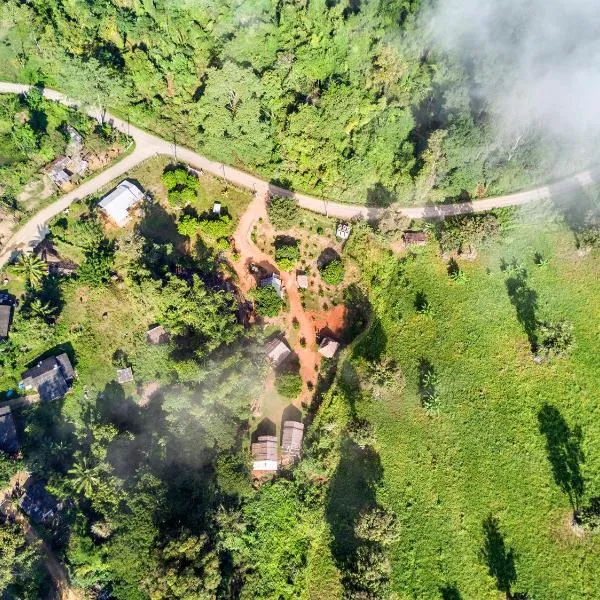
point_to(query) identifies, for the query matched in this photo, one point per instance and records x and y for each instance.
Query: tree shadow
(426, 379)
(352, 488)
(500, 560)
(328, 255)
(358, 312)
(379, 196)
(264, 427)
(421, 302)
(453, 268)
(563, 448)
(450, 592)
(524, 299)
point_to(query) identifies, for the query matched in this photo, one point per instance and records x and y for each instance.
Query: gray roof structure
(9, 441)
(291, 440)
(157, 335)
(51, 377)
(417, 238)
(301, 280)
(125, 375)
(328, 347)
(277, 351)
(5, 314)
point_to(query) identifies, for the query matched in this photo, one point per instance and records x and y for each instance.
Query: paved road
(149, 145)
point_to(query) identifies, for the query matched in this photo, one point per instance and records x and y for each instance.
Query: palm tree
(85, 479)
(32, 267)
(41, 310)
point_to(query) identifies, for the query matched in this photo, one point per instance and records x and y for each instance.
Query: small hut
(328, 347)
(291, 440)
(277, 351)
(302, 280)
(264, 453)
(124, 375)
(157, 335)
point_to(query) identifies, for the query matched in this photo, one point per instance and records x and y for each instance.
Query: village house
(328, 347)
(124, 375)
(51, 378)
(277, 351)
(118, 203)
(275, 281)
(157, 335)
(415, 238)
(343, 231)
(5, 319)
(64, 169)
(39, 505)
(264, 453)
(301, 280)
(9, 441)
(291, 440)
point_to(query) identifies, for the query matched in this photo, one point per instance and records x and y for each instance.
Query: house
(119, 202)
(275, 281)
(157, 335)
(124, 375)
(264, 453)
(216, 208)
(415, 238)
(291, 440)
(301, 280)
(62, 169)
(39, 505)
(52, 377)
(328, 347)
(5, 314)
(343, 231)
(9, 442)
(277, 351)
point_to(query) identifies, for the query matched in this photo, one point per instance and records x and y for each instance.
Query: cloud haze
(535, 63)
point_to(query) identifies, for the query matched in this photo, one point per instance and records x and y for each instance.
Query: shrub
(188, 226)
(283, 212)
(463, 233)
(216, 227)
(333, 272)
(555, 339)
(267, 301)
(287, 255)
(377, 524)
(181, 186)
(288, 385)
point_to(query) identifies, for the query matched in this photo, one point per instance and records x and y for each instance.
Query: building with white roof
(119, 202)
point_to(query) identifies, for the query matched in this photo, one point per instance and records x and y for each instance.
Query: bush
(464, 233)
(216, 227)
(267, 301)
(286, 256)
(333, 272)
(377, 524)
(181, 186)
(283, 212)
(288, 385)
(188, 226)
(555, 339)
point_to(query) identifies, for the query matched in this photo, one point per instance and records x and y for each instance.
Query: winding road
(147, 145)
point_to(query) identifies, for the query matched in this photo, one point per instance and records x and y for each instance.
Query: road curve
(147, 145)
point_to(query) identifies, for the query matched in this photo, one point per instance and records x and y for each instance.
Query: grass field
(482, 490)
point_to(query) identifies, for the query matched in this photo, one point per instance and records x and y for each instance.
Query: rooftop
(51, 377)
(9, 442)
(302, 280)
(118, 203)
(5, 313)
(264, 452)
(343, 231)
(328, 347)
(124, 375)
(157, 335)
(415, 237)
(277, 351)
(291, 441)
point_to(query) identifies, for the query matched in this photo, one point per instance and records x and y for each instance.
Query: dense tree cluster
(339, 98)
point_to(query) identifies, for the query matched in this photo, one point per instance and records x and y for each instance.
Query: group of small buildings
(6, 310)
(265, 450)
(65, 169)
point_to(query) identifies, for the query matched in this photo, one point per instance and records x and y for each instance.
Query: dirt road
(148, 145)
(249, 253)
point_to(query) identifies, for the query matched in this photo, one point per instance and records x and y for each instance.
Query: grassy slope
(485, 454)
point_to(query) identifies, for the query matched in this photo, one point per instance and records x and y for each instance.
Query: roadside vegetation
(281, 91)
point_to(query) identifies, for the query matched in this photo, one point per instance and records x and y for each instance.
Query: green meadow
(484, 491)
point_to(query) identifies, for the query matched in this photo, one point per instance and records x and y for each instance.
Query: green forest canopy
(338, 98)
